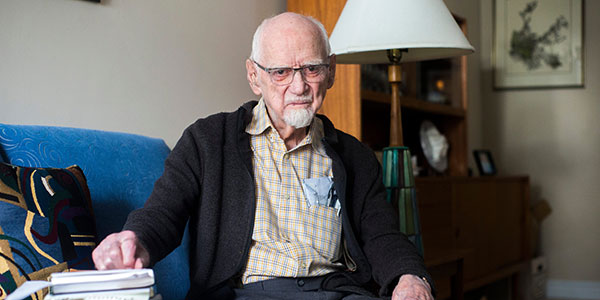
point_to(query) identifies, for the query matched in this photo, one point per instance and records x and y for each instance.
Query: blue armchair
(120, 169)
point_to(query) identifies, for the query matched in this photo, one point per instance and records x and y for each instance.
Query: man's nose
(298, 85)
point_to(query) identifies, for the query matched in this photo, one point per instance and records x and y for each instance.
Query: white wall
(150, 67)
(554, 136)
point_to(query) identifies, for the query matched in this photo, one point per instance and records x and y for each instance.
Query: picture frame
(538, 44)
(485, 162)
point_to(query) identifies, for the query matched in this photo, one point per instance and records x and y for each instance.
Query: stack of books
(129, 284)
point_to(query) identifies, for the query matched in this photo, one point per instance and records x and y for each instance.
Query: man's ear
(252, 77)
(331, 78)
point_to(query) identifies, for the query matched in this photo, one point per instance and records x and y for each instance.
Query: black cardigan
(208, 179)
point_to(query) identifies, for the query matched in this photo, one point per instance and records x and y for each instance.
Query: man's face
(296, 103)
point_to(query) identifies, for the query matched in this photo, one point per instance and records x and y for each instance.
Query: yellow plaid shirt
(290, 238)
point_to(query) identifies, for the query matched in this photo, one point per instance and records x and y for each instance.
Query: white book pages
(85, 281)
(131, 294)
(88, 281)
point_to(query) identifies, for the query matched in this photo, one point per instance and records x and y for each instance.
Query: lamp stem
(395, 78)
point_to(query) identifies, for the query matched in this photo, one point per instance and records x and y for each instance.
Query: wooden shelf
(412, 103)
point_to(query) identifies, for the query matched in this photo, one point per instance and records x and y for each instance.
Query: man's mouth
(298, 101)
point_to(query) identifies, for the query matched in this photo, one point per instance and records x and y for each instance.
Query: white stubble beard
(300, 117)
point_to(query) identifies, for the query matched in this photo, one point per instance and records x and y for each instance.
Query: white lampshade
(367, 29)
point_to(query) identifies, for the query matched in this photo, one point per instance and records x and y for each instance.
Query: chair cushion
(46, 223)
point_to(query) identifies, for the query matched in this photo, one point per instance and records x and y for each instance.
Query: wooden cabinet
(484, 220)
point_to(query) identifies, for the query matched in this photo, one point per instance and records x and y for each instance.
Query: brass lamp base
(395, 78)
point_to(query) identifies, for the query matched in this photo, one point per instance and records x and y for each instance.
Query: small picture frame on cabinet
(485, 162)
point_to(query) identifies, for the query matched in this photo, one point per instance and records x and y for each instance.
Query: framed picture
(485, 163)
(538, 43)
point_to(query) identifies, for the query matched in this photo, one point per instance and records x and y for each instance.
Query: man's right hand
(120, 250)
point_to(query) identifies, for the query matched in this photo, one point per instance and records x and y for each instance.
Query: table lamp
(392, 32)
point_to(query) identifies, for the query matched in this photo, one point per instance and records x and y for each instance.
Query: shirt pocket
(320, 192)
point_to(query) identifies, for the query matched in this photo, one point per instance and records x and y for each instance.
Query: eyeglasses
(284, 76)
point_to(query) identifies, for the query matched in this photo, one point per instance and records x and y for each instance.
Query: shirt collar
(260, 119)
(261, 124)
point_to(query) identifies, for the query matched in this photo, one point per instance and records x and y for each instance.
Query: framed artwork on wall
(538, 43)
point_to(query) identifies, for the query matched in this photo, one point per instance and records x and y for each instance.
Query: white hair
(257, 39)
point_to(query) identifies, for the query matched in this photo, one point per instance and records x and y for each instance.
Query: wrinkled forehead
(295, 39)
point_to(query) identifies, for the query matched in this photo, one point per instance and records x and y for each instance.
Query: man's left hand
(411, 287)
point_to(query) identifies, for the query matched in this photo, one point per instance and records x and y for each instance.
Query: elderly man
(280, 203)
